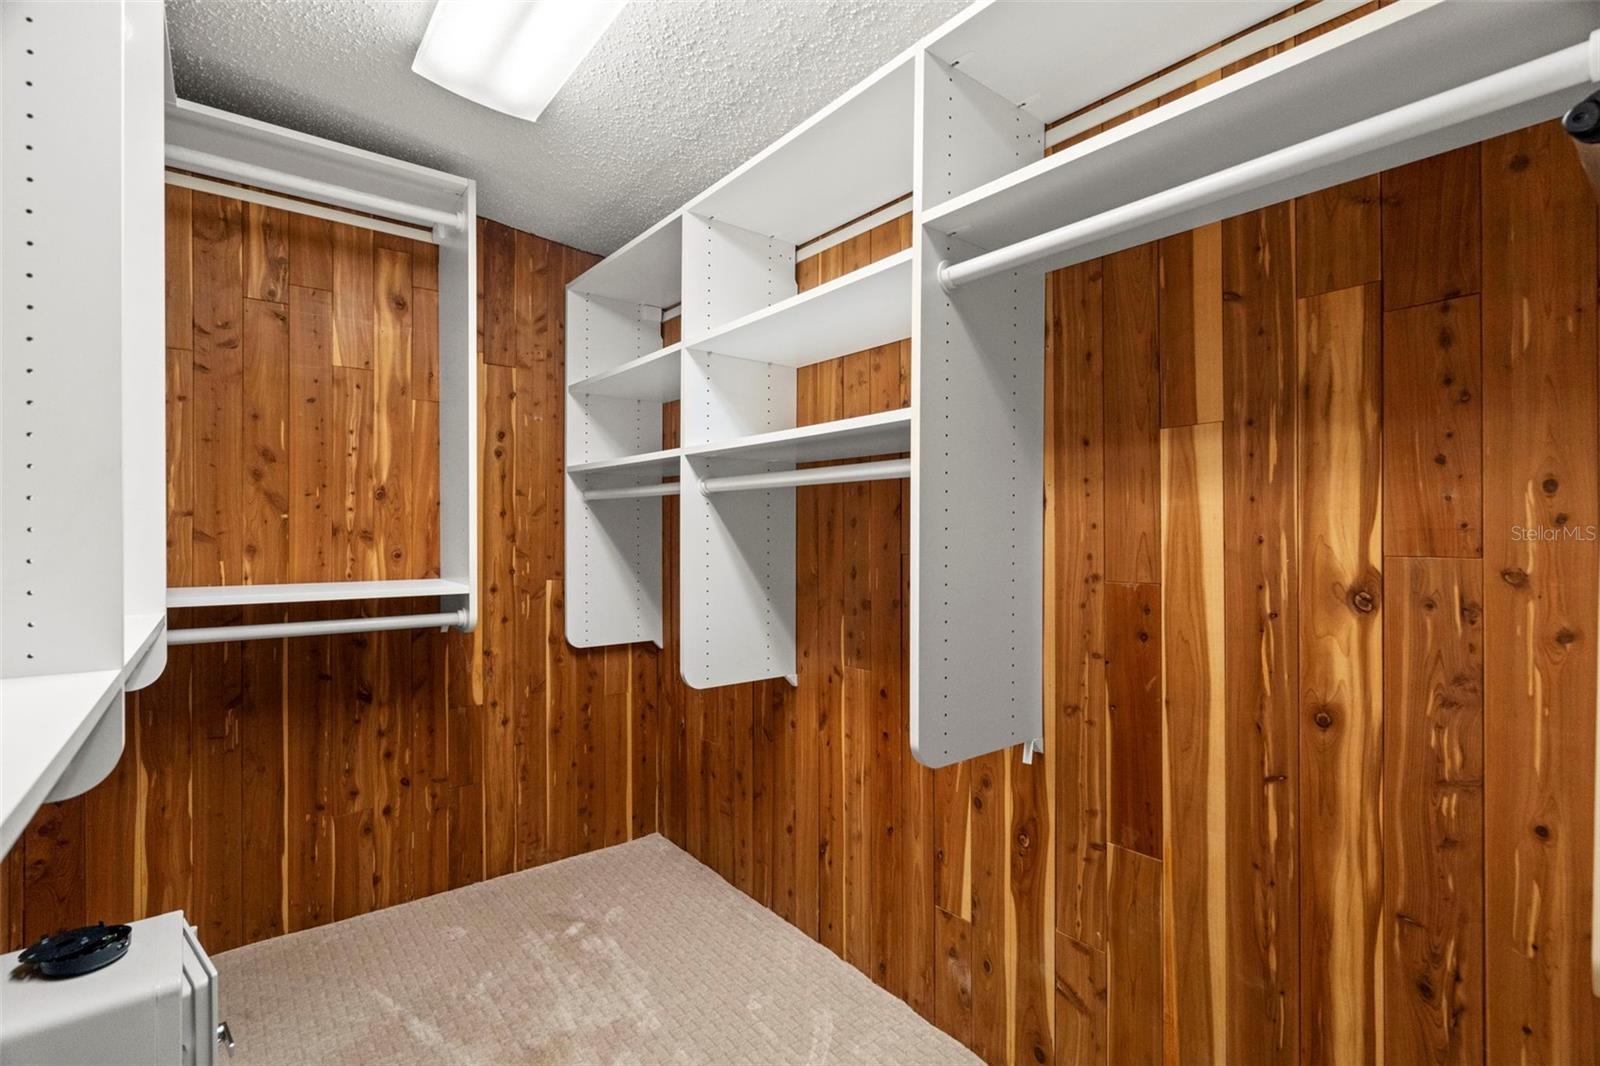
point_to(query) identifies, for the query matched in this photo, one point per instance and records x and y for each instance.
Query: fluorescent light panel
(510, 55)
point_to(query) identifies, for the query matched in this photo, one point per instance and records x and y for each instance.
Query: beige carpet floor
(633, 954)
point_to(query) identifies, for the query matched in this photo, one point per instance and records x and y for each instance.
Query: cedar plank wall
(1319, 774)
(270, 786)
(1361, 829)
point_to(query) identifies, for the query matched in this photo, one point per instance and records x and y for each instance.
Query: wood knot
(1518, 163)
(1515, 577)
(1542, 832)
(1550, 485)
(1323, 719)
(1363, 600)
(1565, 636)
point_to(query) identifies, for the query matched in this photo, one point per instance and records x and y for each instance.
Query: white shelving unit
(962, 121)
(82, 398)
(619, 375)
(1343, 76)
(425, 205)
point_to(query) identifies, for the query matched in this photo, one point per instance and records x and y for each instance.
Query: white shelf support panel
(82, 400)
(736, 578)
(977, 453)
(977, 512)
(221, 145)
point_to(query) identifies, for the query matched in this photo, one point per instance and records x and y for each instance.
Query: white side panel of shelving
(613, 547)
(977, 512)
(736, 579)
(724, 397)
(60, 396)
(729, 272)
(144, 392)
(458, 408)
(969, 134)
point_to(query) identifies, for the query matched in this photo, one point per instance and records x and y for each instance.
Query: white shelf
(849, 158)
(1021, 50)
(47, 720)
(311, 592)
(860, 310)
(646, 270)
(1341, 77)
(885, 433)
(649, 377)
(664, 462)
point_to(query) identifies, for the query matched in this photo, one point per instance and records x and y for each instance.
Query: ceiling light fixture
(510, 55)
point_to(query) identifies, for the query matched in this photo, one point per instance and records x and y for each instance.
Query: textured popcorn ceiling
(675, 95)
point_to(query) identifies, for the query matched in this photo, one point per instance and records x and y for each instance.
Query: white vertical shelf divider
(977, 449)
(613, 543)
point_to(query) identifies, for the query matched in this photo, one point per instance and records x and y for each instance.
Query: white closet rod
(632, 492)
(1573, 68)
(283, 181)
(885, 470)
(316, 628)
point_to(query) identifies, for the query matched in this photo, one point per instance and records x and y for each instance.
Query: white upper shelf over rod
(884, 433)
(862, 309)
(1330, 82)
(1052, 59)
(230, 146)
(311, 592)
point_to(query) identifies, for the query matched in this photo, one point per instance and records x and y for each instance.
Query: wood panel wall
(1321, 664)
(270, 786)
(1319, 756)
